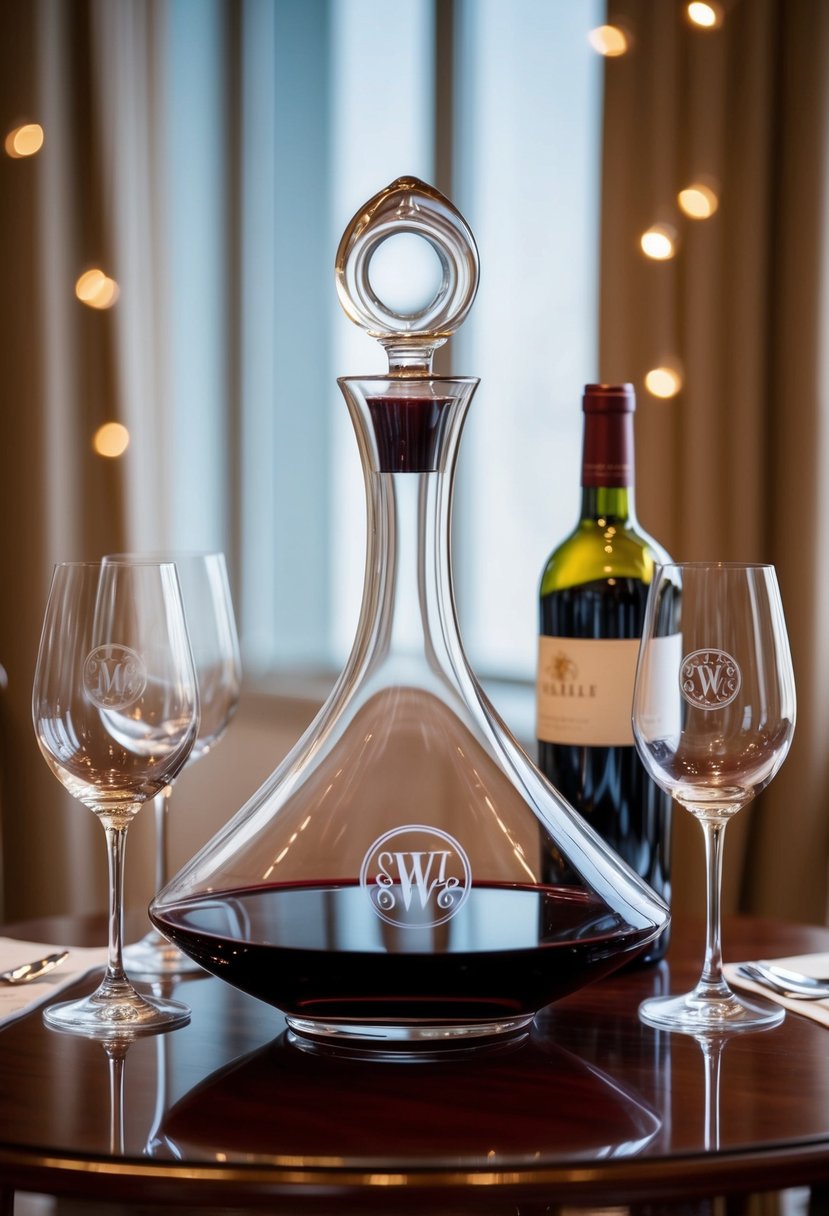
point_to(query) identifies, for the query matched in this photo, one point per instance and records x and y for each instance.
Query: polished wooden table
(594, 1108)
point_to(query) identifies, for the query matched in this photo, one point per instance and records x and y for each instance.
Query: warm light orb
(698, 201)
(663, 382)
(96, 289)
(706, 15)
(112, 439)
(659, 242)
(608, 40)
(24, 141)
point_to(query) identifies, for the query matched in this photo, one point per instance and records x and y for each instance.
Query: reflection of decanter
(406, 875)
(499, 1115)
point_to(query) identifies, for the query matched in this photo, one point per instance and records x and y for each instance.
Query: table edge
(695, 1174)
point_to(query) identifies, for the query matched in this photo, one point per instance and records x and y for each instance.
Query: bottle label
(584, 690)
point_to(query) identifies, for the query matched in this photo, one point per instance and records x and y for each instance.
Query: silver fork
(785, 974)
(803, 989)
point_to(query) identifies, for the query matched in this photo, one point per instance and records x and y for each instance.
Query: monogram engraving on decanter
(416, 876)
(709, 678)
(114, 676)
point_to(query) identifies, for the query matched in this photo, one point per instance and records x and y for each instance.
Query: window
(338, 98)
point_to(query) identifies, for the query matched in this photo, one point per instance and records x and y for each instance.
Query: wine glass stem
(712, 985)
(161, 838)
(116, 835)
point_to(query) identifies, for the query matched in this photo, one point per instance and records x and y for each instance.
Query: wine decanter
(406, 878)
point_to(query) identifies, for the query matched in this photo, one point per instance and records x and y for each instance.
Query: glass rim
(714, 565)
(99, 563)
(426, 378)
(160, 557)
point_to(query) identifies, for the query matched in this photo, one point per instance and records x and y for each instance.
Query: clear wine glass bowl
(115, 711)
(214, 641)
(713, 719)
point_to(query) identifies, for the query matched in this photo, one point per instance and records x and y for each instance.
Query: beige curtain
(735, 466)
(81, 70)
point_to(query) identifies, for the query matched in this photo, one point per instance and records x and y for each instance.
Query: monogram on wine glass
(709, 678)
(416, 875)
(114, 676)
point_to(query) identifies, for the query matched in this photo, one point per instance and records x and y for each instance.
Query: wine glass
(713, 718)
(116, 712)
(214, 643)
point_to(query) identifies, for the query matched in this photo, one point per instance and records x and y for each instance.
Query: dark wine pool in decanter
(406, 876)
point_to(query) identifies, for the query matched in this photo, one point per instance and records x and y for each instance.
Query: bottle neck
(607, 470)
(608, 502)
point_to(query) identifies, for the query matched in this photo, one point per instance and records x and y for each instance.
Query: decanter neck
(407, 425)
(408, 576)
(408, 436)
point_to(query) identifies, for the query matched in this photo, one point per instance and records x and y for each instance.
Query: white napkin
(815, 965)
(18, 999)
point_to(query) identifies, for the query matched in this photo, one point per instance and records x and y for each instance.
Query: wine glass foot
(123, 1017)
(695, 1014)
(154, 955)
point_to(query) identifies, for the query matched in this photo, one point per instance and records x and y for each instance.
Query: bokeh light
(658, 242)
(663, 382)
(96, 289)
(111, 440)
(707, 16)
(698, 201)
(609, 40)
(25, 140)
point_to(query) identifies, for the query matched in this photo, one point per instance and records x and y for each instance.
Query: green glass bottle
(592, 603)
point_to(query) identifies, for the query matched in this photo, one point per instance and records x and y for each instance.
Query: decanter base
(421, 1040)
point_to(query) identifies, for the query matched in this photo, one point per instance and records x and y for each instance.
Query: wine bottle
(592, 602)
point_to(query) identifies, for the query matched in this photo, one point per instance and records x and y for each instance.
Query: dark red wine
(408, 431)
(322, 951)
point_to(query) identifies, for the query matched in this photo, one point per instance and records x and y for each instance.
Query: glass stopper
(407, 272)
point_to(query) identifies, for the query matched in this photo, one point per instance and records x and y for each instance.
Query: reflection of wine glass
(115, 709)
(713, 718)
(712, 1046)
(116, 1052)
(213, 640)
(116, 1049)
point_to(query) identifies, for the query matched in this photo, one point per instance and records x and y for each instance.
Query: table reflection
(504, 1108)
(608, 1036)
